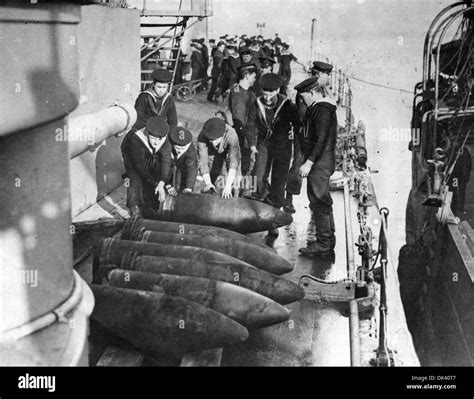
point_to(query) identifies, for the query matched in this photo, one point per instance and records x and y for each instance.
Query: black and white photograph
(235, 184)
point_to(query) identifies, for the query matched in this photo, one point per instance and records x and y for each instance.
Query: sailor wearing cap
(184, 169)
(256, 52)
(241, 98)
(318, 146)
(271, 125)
(246, 55)
(230, 68)
(218, 144)
(197, 61)
(216, 71)
(205, 63)
(322, 71)
(147, 159)
(156, 101)
(266, 66)
(285, 66)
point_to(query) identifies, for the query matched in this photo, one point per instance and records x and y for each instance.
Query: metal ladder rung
(155, 35)
(161, 60)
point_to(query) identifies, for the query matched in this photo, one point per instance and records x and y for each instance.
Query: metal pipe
(89, 130)
(354, 333)
(349, 236)
(312, 38)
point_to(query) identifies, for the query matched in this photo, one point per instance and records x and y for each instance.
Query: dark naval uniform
(285, 70)
(184, 167)
(273, 126)
(146, 167)
(149, 105)
(240, 102)
(230, 71)
(216, 73)
(197, 64)
(318, 144)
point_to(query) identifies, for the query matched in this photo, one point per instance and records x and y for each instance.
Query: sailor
(156, 101)
(318, 146)
(218, 143)
(271, 125)
(240, 100)
(230, 68)
(285, 66)
(205, 60)
(246, 55)
(320, 68)
(147, 159)
(256, 52)
(266, 66)
(216, 71)
(295, 182)
(183, 171)
(268, 49)
(212, 46)
(197, 62)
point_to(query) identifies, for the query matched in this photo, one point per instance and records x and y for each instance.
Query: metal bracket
(322, 291)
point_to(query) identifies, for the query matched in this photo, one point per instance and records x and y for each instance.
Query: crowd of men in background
(227, 54)
(271, 139)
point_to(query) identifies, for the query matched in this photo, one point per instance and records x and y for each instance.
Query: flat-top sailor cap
(157, 126)
(307, 85)
(214, 128)
(180, 136)
(162, 75)
(270, 82)
(322, 67)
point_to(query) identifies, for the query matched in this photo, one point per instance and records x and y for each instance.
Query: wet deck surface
(316, 334)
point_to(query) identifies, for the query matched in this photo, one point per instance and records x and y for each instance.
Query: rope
(378, 84)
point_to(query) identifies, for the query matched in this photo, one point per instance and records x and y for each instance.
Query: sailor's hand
(305, 169)
(160, 191)
(208, 188)
(171, 191)
(227, 193)
(253, 151)
(187, 191)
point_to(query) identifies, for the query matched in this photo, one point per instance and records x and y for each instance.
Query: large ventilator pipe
(44, 304)
(89, 130)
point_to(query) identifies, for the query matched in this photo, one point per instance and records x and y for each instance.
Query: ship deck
(317, 334)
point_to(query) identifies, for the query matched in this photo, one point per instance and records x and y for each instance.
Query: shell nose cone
(272, 313)
(282, 219)
(289, 292)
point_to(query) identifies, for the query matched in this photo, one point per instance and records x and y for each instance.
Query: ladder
(162, 34)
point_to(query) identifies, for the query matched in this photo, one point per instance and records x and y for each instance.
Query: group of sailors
(228, 54)
(271, 140)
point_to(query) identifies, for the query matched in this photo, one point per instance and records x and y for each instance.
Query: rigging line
(378, 84)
